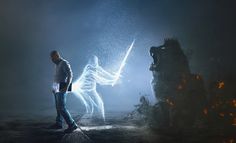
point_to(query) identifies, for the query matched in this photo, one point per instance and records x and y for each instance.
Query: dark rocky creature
(181, 95)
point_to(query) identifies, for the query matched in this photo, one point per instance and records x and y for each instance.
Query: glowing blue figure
(85, 86)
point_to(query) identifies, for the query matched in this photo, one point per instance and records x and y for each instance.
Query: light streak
(118, 74)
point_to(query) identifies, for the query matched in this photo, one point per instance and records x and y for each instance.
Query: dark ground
(115, 130)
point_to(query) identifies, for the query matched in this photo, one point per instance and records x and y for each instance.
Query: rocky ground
(115, 130)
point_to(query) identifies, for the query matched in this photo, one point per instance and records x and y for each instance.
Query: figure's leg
(92, 104)
(88, 105)
(99, 103)
(63, 111)
(84, 98)
(59, 118)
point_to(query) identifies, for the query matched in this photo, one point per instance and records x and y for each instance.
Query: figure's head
(55, 56)
(94, 61)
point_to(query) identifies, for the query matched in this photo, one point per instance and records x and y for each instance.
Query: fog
(78, 29)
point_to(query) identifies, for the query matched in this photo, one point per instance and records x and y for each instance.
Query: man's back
(62, 71)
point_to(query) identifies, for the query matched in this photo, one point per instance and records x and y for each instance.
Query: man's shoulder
(64, 62)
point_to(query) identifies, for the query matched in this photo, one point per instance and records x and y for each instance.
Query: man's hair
(54, 52)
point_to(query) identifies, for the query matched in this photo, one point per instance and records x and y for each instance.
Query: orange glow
(205, 111)
(234, 122)
(231, 140)
(221, 85)
(234, 102)
(180, 87)
(221, 114)
(197, 77)
(169, 102)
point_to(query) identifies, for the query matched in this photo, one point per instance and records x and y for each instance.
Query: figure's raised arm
(103, 73)
(103, 80)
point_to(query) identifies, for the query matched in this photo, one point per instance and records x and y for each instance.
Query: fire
(221, 85)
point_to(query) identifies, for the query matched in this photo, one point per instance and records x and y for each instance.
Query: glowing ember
(221, 114)
(197, 77)
(234, 102)
(205, 111)
(231, 141)
(169, 102)
(221, 85)
(180, 87)
(234, 121)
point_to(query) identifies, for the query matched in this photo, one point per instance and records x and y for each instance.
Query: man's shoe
(70, 129)
(55, 126)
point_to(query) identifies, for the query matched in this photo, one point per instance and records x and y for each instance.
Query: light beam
(117, 75)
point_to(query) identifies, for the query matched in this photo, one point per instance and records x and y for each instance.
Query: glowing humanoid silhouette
(85, 86)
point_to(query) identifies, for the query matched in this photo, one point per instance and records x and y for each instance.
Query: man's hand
(53, 91)
(64, 89)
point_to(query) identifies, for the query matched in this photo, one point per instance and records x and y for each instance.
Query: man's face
(55, 58)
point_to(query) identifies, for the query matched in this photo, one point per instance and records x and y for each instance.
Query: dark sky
(29, 30)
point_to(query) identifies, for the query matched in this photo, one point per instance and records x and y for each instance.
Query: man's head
(55, 56)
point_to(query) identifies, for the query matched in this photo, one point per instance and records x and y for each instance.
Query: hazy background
(30, 29)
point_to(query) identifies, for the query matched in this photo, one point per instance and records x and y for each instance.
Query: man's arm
(69, 73)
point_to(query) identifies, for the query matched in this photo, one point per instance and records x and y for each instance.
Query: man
(62, 81)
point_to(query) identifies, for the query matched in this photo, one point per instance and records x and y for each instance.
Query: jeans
(62, 112)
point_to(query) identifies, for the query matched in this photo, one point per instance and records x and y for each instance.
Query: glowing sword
(117, 75)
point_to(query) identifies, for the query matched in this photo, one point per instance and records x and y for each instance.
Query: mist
(78, 29)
